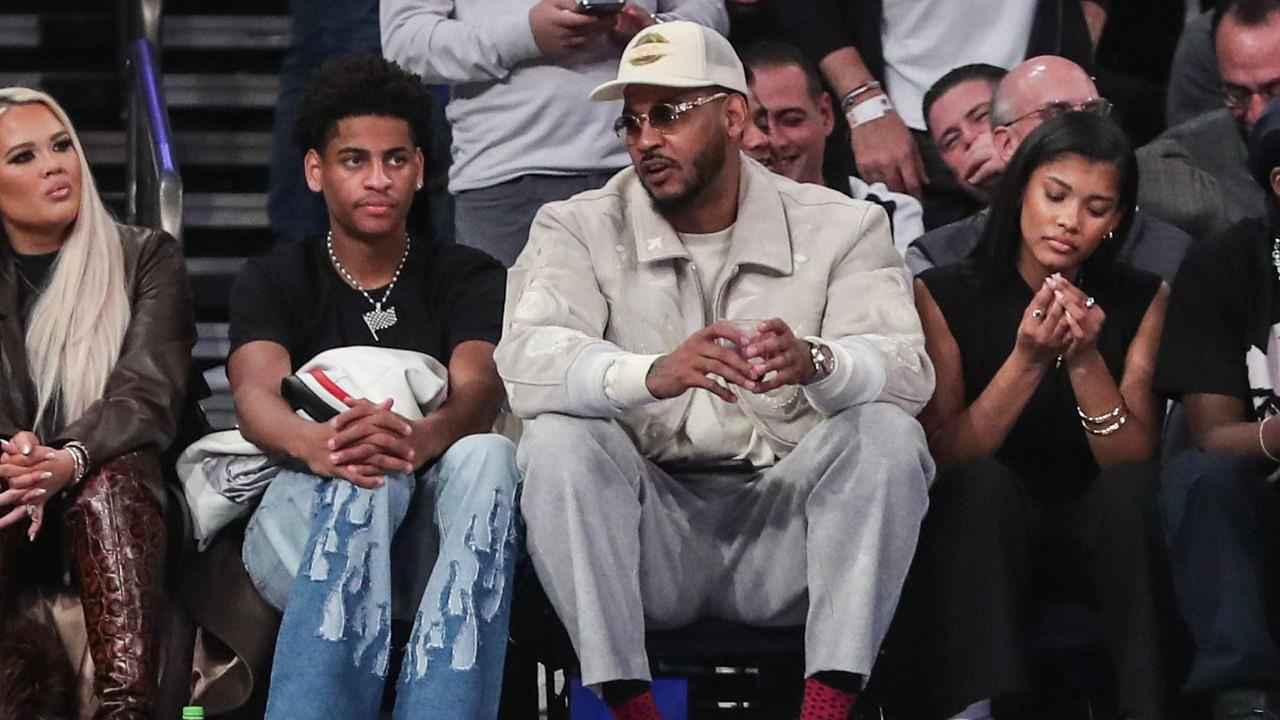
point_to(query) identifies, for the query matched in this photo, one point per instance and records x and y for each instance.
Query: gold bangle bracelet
(1105, 431)
(1101, 419)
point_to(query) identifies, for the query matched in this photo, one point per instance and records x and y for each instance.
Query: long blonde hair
(78, 324)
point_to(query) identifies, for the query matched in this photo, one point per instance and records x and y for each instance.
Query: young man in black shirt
(320, 546)
(1220, 355)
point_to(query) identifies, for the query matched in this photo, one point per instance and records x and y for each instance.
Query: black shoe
(1246, 704)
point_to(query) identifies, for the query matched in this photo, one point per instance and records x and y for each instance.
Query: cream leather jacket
(605, 276)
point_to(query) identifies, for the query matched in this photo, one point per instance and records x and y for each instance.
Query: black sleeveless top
(1047, 445)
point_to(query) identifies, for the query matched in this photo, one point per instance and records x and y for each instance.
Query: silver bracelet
(1262, 443)
(848, 99)
(79, 460)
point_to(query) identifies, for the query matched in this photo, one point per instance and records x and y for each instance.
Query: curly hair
(355, 85)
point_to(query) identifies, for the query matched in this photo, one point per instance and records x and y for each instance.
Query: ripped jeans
(325, 551)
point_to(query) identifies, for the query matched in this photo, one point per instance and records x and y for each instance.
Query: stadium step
(221, 64)
(194, 149)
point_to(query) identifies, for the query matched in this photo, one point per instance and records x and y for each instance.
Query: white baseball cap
(678, 54)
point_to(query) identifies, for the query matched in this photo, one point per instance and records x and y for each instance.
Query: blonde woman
(95, 344)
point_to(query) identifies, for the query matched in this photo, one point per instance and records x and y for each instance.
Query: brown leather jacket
(142, 403)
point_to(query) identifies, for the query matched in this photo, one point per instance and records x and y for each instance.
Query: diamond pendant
(379, 319)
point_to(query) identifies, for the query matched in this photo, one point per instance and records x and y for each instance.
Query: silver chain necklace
(377, 318)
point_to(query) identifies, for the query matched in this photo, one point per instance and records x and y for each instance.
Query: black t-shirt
(446, 295)
(35, 268)
(33, 271)
(1220, 334)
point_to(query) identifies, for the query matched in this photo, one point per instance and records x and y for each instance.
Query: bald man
(1032, 92)
(1036, 90)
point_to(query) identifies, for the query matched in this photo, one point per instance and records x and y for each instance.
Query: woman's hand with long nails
(31, 473)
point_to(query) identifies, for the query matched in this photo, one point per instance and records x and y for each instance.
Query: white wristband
(868, 110)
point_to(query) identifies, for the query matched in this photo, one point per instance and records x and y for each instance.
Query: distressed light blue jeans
(338, 557)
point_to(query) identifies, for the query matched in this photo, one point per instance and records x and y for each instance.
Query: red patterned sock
(823, 702)
(640, 707)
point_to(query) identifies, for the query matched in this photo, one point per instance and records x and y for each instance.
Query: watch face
(822, 359)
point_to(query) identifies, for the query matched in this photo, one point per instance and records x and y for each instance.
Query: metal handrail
(154, 183)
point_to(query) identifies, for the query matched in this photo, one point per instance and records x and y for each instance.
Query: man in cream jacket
(720, 369)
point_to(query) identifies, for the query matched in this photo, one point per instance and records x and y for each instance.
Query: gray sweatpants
(823, 538)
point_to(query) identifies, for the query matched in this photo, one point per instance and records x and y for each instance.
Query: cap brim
(613, 89)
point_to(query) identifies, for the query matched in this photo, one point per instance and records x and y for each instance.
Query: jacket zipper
(717, 312)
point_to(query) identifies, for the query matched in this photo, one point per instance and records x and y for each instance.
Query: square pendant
(379, 319)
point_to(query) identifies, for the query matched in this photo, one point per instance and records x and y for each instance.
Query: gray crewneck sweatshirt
(514, 112)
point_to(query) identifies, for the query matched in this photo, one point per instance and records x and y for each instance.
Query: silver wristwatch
(824, 361)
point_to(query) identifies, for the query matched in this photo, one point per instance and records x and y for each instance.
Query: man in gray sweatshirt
(524, 133)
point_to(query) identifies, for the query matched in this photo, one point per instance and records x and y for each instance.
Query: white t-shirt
(908, 213)
(924, 39)
(714, 429)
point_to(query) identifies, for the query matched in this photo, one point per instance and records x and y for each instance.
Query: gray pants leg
(825, 537)
(496, 219)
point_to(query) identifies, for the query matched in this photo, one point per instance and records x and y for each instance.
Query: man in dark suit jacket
(1195, 175)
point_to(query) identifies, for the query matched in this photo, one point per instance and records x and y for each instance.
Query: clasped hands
(1060, 321)
(774, 348)
(364, 443)
(30, 474)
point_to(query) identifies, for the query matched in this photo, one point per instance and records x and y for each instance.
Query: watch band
(823, 360)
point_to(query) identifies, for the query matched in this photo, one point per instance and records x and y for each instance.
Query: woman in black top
(1041, 424)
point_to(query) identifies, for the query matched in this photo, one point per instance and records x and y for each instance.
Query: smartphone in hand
(600, 8)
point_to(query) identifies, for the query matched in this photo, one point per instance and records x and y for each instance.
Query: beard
(707, 166)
